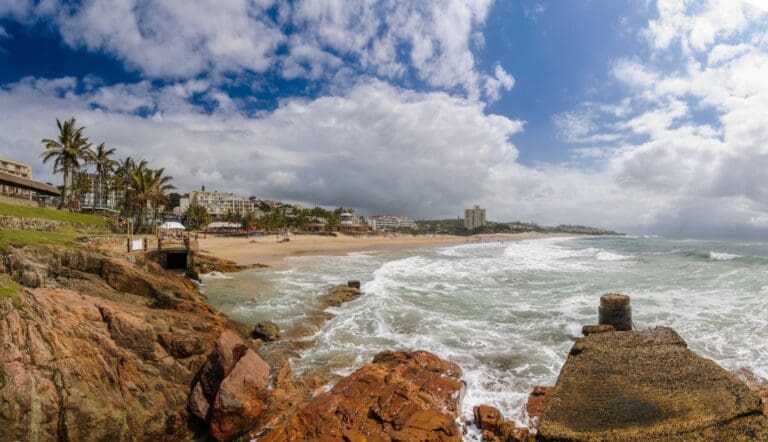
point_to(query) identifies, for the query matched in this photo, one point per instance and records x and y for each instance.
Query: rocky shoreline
(101, 346)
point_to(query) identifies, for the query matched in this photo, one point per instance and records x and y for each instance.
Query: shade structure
(172, 225)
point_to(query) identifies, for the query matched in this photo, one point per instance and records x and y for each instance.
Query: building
(220, 203)
(17, 185)
(101, 197)
(351, 223)
(474, 217)
(386, 223)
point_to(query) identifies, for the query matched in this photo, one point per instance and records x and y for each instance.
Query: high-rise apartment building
(474, 217)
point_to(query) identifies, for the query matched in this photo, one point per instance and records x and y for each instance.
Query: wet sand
(271, 251)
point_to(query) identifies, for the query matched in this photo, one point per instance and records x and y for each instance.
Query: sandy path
(269, 251)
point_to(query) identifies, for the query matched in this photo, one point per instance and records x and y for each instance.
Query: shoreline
(269, 251)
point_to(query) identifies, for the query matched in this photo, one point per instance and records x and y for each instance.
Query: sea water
(507, 313)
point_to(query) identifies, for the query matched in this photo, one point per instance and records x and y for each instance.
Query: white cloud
(393, 40)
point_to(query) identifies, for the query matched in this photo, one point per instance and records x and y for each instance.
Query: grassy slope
(9, 289)
(52, 214)
(32, 237)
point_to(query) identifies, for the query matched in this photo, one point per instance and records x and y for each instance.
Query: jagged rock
(497, 429)
(267, 331)
(400, 396)
(622, 386)
(339, 295)
(537, 402)
(241, 396)
(229, 392)
(82, 367)
(602, 328)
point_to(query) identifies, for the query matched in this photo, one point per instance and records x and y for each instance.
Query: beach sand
(270, 251)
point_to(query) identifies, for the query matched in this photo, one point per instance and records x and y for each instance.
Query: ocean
(508, 313)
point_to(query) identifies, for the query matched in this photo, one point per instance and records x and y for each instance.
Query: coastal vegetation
(52, 215)
(143, 190)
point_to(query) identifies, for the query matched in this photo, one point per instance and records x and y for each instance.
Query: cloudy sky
(639, 115)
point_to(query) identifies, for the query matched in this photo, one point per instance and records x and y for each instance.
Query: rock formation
(267, 331)
(400, 396)
(621, 386)
(99, 348)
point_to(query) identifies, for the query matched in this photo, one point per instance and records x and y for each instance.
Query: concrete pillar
(354, 284)
(615, 310)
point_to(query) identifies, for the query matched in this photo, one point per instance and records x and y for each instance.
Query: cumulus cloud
(431, 41)
(697, 128)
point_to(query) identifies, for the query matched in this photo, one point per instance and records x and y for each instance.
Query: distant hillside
(456, 227)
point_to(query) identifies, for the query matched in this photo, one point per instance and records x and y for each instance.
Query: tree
(67, 151)
(196, 216)
(145, 189)
(81, 184)
(174, 200)
(231, 217)
(101, 157)
(247, 220)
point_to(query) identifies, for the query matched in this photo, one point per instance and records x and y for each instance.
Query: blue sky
(631, 114)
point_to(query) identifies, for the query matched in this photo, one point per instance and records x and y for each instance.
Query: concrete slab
(629, 386)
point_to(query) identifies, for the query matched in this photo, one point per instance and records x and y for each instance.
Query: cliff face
(99, 348)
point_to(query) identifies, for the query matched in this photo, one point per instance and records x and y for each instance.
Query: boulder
(339, 295)
(267, 331)
(622, 386)
(400, 396)
(229, 394)
(497, 429)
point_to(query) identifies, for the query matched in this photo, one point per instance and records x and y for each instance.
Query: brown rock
(339, 295)
(497, 429)
(82, 367)
(400, 396)
(622, 386)
(537, 402)
(267, 331)
(240, 399)
(602, 328)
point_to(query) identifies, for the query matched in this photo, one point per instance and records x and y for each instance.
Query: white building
(474, 217)
(101, 196)
(219, 203)
(383, 223)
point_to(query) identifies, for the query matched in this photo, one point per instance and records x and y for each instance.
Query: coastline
(269, 251)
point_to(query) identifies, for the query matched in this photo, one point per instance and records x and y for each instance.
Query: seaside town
(145, 200)
(397, 221)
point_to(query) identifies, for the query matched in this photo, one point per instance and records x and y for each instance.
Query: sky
(638, 115)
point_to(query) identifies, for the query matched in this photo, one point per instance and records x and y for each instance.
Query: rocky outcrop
(230, 392)
(400, 396)
(267, 331)
(339, 295)
(622, 386)
(78, 367)
(101, 348)
(497, 429)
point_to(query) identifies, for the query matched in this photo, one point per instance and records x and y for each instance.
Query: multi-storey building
(219, 204)
(474, 217)
(101, 197)
(16, 184)
(383, 223)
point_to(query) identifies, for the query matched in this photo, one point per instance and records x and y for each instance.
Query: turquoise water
(508, 313)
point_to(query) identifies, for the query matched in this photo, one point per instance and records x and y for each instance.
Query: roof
(171, 225)
(26, 183)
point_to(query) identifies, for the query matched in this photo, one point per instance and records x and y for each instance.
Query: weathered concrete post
(615, 310)
(354, 284)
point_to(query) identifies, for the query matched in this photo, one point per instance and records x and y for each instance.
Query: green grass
(52, 214)
(9, 289)
(33, 237)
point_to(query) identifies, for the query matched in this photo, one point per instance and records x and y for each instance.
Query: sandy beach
(269, 250)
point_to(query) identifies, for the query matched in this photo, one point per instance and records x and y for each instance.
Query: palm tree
(249, 219)
(196, 216)
(67, 151)
(101, 158)
(160, 185)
